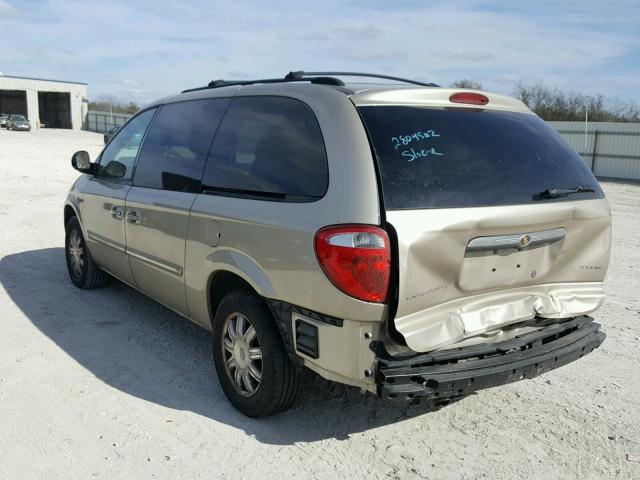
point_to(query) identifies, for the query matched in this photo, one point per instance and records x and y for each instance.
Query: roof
(361, 94)
(42, 79)
(323, 78)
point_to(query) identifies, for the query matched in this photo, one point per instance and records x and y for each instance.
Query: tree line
(547, 102)
(556, 104)
(108, 103)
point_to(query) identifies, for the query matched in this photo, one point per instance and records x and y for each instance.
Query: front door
(103, 206)
(166, 183)
(156, 224)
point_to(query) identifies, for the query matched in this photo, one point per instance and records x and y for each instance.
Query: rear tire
(252, 364)
(83, 271)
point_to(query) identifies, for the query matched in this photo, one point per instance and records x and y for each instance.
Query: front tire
(252, 364)
(83, 271)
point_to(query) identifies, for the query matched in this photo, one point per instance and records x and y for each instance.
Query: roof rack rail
(325, 78)
(301, 74)
(228, 83)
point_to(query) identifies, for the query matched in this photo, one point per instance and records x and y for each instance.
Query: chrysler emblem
(524, 240)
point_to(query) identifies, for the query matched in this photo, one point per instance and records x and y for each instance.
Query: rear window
(441, 158)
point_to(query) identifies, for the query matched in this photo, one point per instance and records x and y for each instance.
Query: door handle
(133, 217)
(116, 212)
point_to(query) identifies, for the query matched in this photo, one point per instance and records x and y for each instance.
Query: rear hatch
(498, 220)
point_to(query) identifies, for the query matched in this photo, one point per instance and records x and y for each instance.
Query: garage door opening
(54, 109)
(13, 102)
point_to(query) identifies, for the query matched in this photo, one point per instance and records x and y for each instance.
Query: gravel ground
(108, 384)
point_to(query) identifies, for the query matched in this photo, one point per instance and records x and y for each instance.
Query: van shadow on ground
(141, 348)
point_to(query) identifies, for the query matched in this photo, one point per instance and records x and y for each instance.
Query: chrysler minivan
(420, 243)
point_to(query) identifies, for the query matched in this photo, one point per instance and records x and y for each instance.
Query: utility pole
(586, 125)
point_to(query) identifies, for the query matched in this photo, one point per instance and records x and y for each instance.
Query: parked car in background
(18, 122)
(3, 119)
(110, 133)
(416, 242)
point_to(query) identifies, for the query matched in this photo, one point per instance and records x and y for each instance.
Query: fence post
(595, 152)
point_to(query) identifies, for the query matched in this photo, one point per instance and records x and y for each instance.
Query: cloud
(186, 10)
(238, 74)
(467, 55)
(344, 33)
(190, 39)
(358, 33)
(505, 78)
(372, 56)
(315, 37)
(6, 9)
(588, 45)
(130, 83)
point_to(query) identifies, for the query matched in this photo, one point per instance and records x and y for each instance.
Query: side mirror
(114, 169)
(81, 161)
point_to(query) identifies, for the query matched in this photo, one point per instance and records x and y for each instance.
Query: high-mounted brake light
(469, 97)
(357, 260)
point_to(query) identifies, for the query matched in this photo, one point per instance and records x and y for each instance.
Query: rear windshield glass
(439, 158)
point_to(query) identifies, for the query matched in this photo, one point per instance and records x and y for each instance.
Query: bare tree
(466, 83)
(555, 104)
(107, 103)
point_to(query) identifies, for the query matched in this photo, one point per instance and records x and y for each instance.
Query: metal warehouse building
(56, 104)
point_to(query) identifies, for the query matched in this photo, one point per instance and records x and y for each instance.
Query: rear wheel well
(224, 282)
(221, 284)
(69, 213)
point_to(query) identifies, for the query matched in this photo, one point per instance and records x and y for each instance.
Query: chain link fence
(102, 121)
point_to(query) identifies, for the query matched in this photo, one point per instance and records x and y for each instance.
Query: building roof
(41, 79)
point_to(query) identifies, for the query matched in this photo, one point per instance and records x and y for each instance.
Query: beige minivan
(418, 242)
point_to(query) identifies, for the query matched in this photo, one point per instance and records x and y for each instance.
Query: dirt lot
(108, 384)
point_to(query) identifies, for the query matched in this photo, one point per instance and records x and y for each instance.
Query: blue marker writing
(404, 140)
(414, 154)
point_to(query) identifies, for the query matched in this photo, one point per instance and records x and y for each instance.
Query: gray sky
(141, 50)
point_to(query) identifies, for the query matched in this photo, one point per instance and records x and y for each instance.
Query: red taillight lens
(357, 259)
(469, 97)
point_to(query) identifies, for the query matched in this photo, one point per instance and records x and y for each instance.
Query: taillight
(357, 260)
(469, 97)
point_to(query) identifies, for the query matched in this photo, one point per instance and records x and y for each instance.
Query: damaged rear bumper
(450, 374)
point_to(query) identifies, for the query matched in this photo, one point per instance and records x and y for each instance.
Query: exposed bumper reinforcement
(450, 374)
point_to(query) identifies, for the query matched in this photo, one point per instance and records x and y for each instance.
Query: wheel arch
(239, 271)
(69, 212)
(222, 282)
(71, 209)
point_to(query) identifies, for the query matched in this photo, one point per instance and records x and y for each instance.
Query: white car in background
(18, 122)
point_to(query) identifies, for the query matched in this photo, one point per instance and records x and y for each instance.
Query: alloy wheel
(76, 253)
(242, 354)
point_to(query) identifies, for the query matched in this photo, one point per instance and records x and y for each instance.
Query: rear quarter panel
(270, 244)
